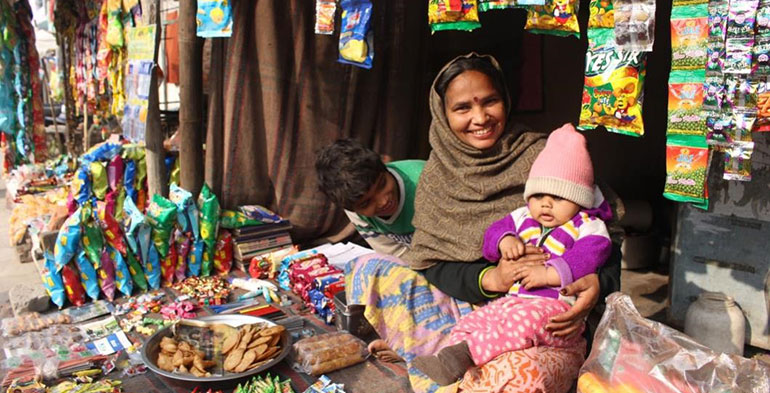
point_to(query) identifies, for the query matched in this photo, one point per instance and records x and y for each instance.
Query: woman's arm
(459, 280)
(587, 291)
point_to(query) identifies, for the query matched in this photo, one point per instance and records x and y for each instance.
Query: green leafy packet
(685, 103)
(689, 37)
(738, 161)
(687, 160)
(208, 206)
(187, 212)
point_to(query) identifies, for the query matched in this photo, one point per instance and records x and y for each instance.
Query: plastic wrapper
(72, 286)
(489, 5)
(356, 44)
(120, 201)
(101, 152)
(161, 214)
(741, 18)
(106, 274)
(713, 92)
(717, 19)
(123, 279)
(98, 179)
(739, 55)
(453, 15)
(689, 37)
(602, 14)
(738, 161)
(52, 281)
(207, 262)
(328, 352)
(138, 235)
(556, 17)
(761, 56)
(141, 200)
(168, 264)
(183, 244)
(113, 233)
(115, 172)
(214, 18)
(186, 211)
(152, 268)
(715, 57)
(260, 213)
(613, 90)
(88, 275)
(634, 24)
(91, 236)
(687, 159)
(81, 186)
(223, 258)
(67, 240)
(233, 219)
(719, 128)
(129, 177)
(208, 205)
(685, 103)
(763, 19)
(763, 106)
(740, 94)
(320, 305)
(324, 16)
(137, 273)
(196, 258)
(634, 354)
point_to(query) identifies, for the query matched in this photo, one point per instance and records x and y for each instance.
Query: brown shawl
(463, 190)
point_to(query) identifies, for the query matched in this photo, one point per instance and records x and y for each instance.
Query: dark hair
(481, 64)
(346, 171)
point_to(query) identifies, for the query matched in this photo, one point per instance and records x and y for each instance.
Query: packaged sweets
(715, 56)
(685, 102)
(761, 56)
(717, 19)
(113, 234)
(689, 37)
(52, 281)
(195, 259)
(161, 214)
(741, 18)
(713, 92)
(356, 44)
(88, 275)
(634, 24)
(763, 19)
(223, 258)
(208, 206)
(324, 16)
(612, 95)
(152, 267)
(556, 17)
(738, 55)
(687, 160)
(214, 18)
(123, 279)
(98, 179)
(67, 240)
(602, 14)
(738, 161)
(186, 211)
(115, 172)
(137, 273)
(106, 272)
(453, 15)
(72, 286)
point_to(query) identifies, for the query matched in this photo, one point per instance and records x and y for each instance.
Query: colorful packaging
(81, 186)
(72, 286)
(214, 18)
(231, 219)
(685, 102)
(738, 161)
(106, 274)
(761, 56)
(92, 238)
(122, 274)
(115, 172)
(139, 231)
(223, 258)
(52, 281)
(488, 5)
(719, 128)
(196, 258)
(356, 36)
(453, 15)
(763, 19)
(689, 37)
(686, 166)
(763, 106)
(152, 267)
(612, 95)
(717, 20)
(738, 55)
(556, 17)
(715, 57)
(634, 24)
(168, 265)
(67, 240)
(741, 18)
(129, 177)
(602, 14)
(186, 211)
(111, 229)
(260, 213)
(161, 214)
(101, 152)
(119, 205)
(137, 273)
(183, 245)
(714, 92)
(88, 275)
(98, 179)
(208, 205)
(324, 16)
(740, 93)
(206, 262)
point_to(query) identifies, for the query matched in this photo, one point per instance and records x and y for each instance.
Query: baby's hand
(511, 247)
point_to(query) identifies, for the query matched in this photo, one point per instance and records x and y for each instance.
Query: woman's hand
(501, 277)
(568, 323)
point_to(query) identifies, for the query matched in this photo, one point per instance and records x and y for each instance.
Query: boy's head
(354, 177)
(562, 172)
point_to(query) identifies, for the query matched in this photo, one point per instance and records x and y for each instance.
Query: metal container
(350, 318)
(152, 347)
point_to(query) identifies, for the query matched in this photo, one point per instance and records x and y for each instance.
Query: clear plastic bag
(634, 354)
(325, 353)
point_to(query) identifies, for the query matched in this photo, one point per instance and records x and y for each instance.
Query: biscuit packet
(453, 15)
(556, 17)
(356, 43)
(324, 16)
(687, 160)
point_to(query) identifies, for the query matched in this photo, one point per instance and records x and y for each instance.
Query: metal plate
(151, 349)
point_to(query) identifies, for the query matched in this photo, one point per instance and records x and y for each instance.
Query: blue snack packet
(103, 152)
(67, 241)
(195, 259)
(88, 275)
(139, 232)
(123, 279)
(186, 210)
(152, 268)
(81, 186)
(129, 177)
(356, 37)
(52, 281)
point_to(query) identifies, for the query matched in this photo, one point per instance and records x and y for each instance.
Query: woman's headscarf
(462, 190)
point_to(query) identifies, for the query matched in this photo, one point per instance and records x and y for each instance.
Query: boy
(378, 198)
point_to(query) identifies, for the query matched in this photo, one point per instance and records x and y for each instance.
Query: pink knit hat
(563, 168)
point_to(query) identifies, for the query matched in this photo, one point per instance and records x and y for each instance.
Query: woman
(476, 174)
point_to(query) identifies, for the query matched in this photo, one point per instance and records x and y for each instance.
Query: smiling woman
(475, 109)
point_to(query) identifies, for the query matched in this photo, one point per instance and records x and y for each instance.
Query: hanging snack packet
(111, 229)
(110, 201)
(556, 17)
(685, 101)
(168, 265)
(92, 238)
(152, 267)
(72, 285)
(719, 129)
(717, 19)
(453, 15)
(88, 275)
(744, 123)
(141, 200)
(715, 56)
(740, 93)
(356, 37)
(741, 18)
(324, 16)
(183, 245)
(738, 55)
(129, 177)
(208, 258)
(602, 14)
(763, 19)
(67, 240)
(106, 272)
(137, 273)
(208, 205)
(761, 56)
(115, 172)
(612, 95)
(488, 5)
(763, 105)
(52, 281)
(186, 211)
(119, 205)
(81, 186)
(122, 274)
(634, 24)
(686, 167)
(714, 92)
(195, 259)
(223, 258)
(161, 214)
(214, 18)
(738, 161)
(141, 175)
(98, 179)
(689, 37)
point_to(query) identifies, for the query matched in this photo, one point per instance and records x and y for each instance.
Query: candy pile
(316, 282)
(265, 384)
(205, 291)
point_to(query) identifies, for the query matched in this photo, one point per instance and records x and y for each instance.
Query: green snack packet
(137, 273)
(92, 238)
(685, 103)
(98, 179)
(464, 17)
(208, 206)
(133, 151)
(687, 159)
(689, 37)
(161, 214)
(141, 173)
(232, 219)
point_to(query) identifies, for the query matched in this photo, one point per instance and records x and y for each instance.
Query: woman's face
(475, 109)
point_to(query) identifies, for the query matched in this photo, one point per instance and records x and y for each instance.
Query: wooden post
(157, 176)
(190, 99)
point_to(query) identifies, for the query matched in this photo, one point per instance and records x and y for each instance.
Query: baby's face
(551, 211)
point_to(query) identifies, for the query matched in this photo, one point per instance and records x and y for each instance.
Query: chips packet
(92, 238)
(186, 211)
(713, 92)
(81, 186)
(106, 272)
(161, 214)
(88, 275)
(141, 174)
(689, 37)
(685, 103)
(223, 258)
(556, 17)
(763, 105)
(453, 15)
(715, 57)
(356, 44)
(152, 267)
(602, 14)
(139, 231)
(72, 286)
(115, 171)
(324, 16)
(137, 273)
(763, 19)
(717, 20)
(183, 246)
(122, 274)
(232, 219)
(196, 258)
(739, 55)
(120, 201)
(129, 177)
(52, 281)
(168, 264)
(687, 159)
(67, 240)
(719, 128)
(111, 229)
(738, 161)
(208, 205)
(214, 18)
(741, 18)
(613, 90)
(101, 152)
(141, 200)
(489, 5)
(98, 179)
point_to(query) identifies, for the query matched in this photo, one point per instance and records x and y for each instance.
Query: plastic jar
(716, 321)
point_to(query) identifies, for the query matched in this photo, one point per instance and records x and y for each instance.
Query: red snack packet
(223, 255)
(115, 172)
(112, 232)
(259, 267)
(183, 246)
(141, 200)
(106, 274)
(168, 266)
(72, 285)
